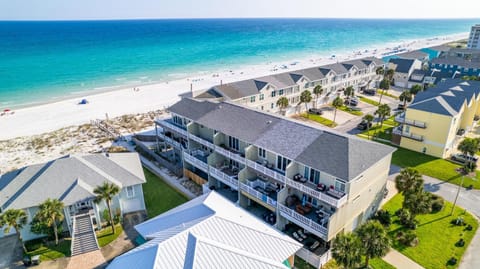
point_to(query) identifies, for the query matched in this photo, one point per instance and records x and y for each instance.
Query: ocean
(45, 61)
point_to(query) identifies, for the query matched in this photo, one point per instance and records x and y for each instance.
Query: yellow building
(433, 123)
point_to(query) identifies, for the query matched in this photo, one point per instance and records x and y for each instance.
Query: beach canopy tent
(83, 102)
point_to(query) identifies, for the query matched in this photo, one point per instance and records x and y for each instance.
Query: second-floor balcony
(312, 220)
(416, 123)
(399, 131)
(197, 158)
(230, 180)
(265, 195)
(169, 124)
(230, 154)
(266, 169)
(201, 141)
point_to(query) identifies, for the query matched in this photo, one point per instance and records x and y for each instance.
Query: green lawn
(351, 111)
(437, 236)
(374, 264)
(105, 236)
(387, 94)
(301, 264)
(380, 264)
(385, 132)
(51, 252)
(159, 196)
(369, 101)
(319, 119)
(434, 167)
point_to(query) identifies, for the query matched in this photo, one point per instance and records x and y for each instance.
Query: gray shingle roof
(414, 54)
(447, 97)
(69, 178)
(449, 60)
(340, 155)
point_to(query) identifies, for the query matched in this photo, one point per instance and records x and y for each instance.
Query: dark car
(461, 132)
(351, 101)
(370, 91)
(363, 125)
(315, 111)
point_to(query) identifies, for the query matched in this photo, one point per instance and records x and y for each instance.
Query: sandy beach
(52, 116)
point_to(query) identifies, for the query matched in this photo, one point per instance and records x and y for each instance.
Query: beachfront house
(458, 62)
(437, 119)
(294, 176)
(209, 232)
(72, 179)
(403, 70)
(262, 93)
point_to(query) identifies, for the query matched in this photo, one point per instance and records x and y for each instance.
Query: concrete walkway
(400, 261)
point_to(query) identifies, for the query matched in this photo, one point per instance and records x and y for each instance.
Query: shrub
(469, 227)
(460, 243)
(383, 216)
(437, 206)
(34, 244)
(458, 221)
(452, 261)
(408, 238)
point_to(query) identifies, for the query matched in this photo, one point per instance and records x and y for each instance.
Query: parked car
(363, 125)
(351, 101)
(370, 91)
(461, 132)
(462, 158)
(315, 111)
(400, 107)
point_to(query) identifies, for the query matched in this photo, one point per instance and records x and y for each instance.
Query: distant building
(299, 176)
(209, 232)
(474, 38)
(72, 179)
(262, 93)
(431, 123)
(403, 70)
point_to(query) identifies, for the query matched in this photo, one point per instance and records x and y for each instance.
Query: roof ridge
(446, 105)
(99, 171)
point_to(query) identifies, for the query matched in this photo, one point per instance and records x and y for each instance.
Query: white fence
(313, 259)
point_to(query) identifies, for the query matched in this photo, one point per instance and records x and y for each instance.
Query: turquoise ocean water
(44, 61)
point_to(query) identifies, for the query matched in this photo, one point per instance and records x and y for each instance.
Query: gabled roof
(70, 179)
(244, 88)
(288, 138)
(220, 235)
(414, 54)
(458, 61)
(447, 97)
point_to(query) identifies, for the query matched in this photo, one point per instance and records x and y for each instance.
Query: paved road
(468, 199)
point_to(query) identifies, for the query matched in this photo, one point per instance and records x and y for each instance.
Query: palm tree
(51, 212)
(409, 180)
(380, 70)
(368, 119)
(282, 102)
(16, 219)
(349, 91)
(318, 90)
(405, 97)
(384, 85)
(418, 202)
(415, 89)
(374, 240)
(306, 97)
(346, 250)
(383, 111)
(390, 73)
(337, 102)
(106, 192)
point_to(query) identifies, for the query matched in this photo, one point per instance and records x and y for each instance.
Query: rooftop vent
(269, 121)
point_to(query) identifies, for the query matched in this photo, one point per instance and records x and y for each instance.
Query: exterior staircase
(83, 239)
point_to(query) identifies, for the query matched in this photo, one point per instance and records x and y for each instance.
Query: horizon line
(233, 18)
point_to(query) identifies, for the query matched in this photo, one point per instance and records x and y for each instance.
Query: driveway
(10, 251)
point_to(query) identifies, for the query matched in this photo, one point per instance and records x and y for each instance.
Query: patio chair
(300, 233)
(297, 237)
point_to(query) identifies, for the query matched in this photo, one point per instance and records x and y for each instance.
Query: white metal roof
(209, 232)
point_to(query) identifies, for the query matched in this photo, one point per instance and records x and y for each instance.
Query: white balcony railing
(173, 127)
(401, 119)
(303, 221)
(316, 194)
(260, 196)
(266, 171)
(201, 141)
(195, 162)
(171, 141)
(229, 154)
(230, 181)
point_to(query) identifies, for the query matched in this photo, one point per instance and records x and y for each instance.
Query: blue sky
(136, 9)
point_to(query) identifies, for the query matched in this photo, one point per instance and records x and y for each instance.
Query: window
(261, 107)
(274, 93)
(234, 164)
(314, 176)
(130, 191)
(261, 97)
(252, 99)
(233, 142)
(261, 153)
(407, 129)
(282, 163)
(280, 92)
(272, 105)
(339, 185)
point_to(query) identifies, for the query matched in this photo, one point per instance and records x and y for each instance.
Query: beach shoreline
(50, 116)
